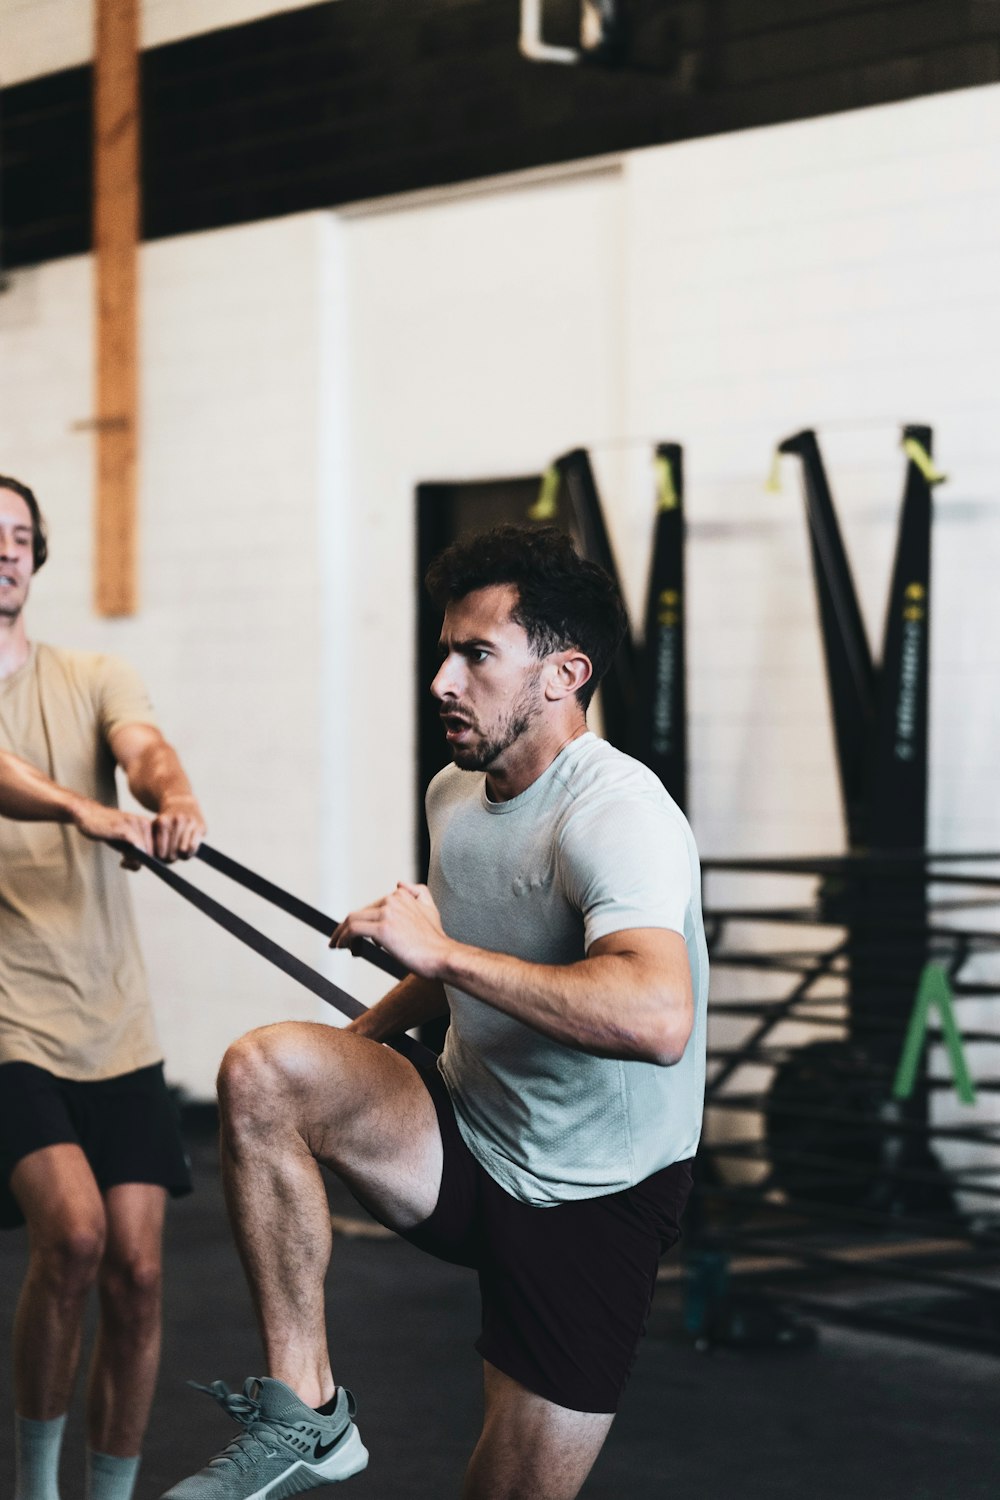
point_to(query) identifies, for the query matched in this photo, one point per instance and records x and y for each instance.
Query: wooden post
(116, 241)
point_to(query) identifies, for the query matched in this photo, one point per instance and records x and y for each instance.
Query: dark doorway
(445, 514)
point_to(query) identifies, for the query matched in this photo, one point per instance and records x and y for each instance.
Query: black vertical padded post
(661, 710)
(435, 529)
(849, 668)
(899, 762)
(618, 690)
(897, 793)
(880, 724)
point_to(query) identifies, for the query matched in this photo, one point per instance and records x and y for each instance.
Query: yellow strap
(667, 497)
(917, 454)
(773, 482)
(546, 507)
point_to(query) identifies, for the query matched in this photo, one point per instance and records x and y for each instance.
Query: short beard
(10, 612)
(521, 716)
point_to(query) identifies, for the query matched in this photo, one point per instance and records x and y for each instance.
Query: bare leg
(529, 1448)
(65, 1215)
(127, 1351)
(293, 1095)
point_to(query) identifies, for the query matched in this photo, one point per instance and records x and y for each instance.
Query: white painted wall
(485, 337)
(45, 36)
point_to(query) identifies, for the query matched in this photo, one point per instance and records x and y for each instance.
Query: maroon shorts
(566, 1290)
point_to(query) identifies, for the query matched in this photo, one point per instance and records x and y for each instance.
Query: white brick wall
(836, 271)
(483, 340)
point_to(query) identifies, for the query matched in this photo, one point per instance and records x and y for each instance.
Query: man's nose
(443, 685)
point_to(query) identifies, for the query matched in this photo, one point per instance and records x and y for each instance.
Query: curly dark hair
(39, 536)
(564, 601)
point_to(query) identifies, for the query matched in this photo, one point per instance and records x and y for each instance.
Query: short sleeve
(626, 864)
(119, 695)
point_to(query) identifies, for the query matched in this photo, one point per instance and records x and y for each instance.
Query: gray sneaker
(285, 1446)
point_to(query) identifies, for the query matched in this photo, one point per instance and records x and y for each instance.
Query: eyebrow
(477, 643)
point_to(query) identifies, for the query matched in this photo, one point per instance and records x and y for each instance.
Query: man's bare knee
(274, 1074)
(131, 1292)
(67, 1256)
(261, 1067)
(247, 1068)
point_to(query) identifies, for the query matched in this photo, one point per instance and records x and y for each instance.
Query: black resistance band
(312, 917)
(265, 946)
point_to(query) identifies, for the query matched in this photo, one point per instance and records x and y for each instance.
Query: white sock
(108, 1477)
(36, 1446)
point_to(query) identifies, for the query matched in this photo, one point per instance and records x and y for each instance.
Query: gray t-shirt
(594, 846)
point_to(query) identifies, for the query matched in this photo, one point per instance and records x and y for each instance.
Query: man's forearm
(409, 1003)
(28, 794)
(156, 779)
(630, 998)
(157, 776)
(609, 1005)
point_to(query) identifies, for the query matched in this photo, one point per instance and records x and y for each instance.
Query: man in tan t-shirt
(89, 1146)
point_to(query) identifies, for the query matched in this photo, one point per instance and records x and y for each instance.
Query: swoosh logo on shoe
(322, 1449)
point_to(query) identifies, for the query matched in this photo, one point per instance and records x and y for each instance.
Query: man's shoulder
(606, 791)
(451, 785)
(82, 665)
(109, 685)
(598, 770)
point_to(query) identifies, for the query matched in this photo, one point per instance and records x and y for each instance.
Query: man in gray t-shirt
(592, 848)
(550, 1148)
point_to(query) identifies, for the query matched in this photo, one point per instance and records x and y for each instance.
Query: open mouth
(455, 727)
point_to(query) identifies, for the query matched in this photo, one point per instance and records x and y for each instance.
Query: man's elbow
(670, 1036)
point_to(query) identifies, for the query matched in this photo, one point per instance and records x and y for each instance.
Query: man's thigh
(33, 1114)
(530, 1446)
(59, 1198)
(360, 1108)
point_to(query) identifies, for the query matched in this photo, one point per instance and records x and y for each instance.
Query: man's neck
(528, 762)
(14, 645)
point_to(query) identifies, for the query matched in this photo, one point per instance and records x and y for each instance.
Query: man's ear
(570, 670)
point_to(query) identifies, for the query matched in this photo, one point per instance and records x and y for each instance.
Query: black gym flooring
(858, 1417)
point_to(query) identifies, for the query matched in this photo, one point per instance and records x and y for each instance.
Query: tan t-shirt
(73, 993)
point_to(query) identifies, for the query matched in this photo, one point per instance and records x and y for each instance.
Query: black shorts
(566, 1291)
(126, 1126)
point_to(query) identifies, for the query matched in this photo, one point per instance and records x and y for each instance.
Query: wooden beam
(116, 241)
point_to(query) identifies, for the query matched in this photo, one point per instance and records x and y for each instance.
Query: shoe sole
(350, 1458)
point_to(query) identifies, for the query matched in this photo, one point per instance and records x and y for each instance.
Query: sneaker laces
(246, 1447)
